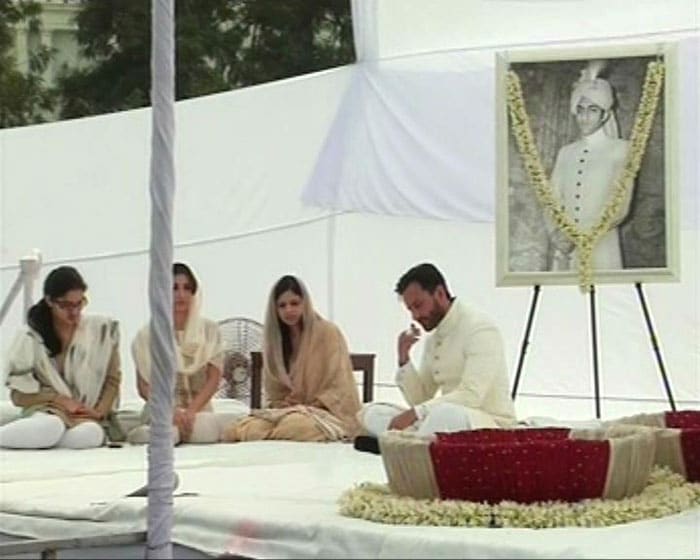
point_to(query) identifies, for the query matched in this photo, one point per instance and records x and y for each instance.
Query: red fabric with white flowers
(525, 465)
(688, 421)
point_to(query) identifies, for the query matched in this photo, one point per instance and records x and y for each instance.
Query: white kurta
(87, 364)
(463, 359)
(583, 177)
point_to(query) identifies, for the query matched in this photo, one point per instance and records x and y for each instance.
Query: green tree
(24, 98)
(291, 37)
(220, 45)
(115, 39)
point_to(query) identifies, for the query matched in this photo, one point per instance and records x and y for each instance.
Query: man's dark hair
(426, 275)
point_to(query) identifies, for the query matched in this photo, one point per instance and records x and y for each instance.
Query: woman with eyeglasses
(63, 370)
(199, 354)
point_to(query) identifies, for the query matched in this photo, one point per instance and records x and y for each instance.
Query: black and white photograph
(580, 111)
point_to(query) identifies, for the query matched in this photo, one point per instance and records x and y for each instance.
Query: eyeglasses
(66, 305)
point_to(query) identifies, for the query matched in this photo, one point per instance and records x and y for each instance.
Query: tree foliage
(220, 44)
(24, 98)
(291, 37)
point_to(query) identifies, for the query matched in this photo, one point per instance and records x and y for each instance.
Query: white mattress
(279, 499)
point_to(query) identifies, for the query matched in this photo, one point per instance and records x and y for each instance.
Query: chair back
(360, 362)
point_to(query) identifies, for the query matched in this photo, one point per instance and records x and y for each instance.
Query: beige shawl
(85, 367)
(197, 345)
(320, 376)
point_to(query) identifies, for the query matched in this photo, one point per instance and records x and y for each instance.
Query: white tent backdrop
(406, 27)
(77, 190)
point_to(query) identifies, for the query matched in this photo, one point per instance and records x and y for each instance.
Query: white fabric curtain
(364, 29)
(412, 137)
(415, 136)
(410, 27)
(689, 136)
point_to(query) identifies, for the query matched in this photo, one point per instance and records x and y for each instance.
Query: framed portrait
(586, 172)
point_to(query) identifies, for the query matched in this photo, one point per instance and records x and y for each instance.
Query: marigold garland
(666, 493)
(583, 240)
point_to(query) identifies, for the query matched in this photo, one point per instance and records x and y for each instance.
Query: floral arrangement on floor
(585, 241)
(666, 493)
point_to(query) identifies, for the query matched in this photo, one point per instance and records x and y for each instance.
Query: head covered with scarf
(320, 375)
(276, 337)
(197, 345)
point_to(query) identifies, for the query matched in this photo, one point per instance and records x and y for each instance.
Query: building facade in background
(58, 32)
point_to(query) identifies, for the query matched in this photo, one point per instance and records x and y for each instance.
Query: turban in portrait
(598, 91)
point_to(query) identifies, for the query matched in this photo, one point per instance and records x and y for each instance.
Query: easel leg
(655, 345)
(594, 341)
(526, 340)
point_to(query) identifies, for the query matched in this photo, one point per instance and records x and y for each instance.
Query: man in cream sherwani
(462, 381)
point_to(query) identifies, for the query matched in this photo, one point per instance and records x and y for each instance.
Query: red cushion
(688, 421)
(525, 465)
(683, 419)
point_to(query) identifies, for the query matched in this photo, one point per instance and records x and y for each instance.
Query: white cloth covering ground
(279, 499)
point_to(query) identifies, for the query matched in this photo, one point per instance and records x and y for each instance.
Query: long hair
(277, 334)
(60, 281)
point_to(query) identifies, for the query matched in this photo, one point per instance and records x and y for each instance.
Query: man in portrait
(585, 171)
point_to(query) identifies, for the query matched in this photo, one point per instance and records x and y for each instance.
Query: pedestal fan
(240, 337)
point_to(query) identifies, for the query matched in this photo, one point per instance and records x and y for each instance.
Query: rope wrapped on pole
(162, 189)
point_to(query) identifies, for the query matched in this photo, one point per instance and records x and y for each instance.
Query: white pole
(162, 187)
(26, 277)
(11, 295)
(29, 267)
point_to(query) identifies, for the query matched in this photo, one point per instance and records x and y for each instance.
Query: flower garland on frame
(666, 493)
(585, 241)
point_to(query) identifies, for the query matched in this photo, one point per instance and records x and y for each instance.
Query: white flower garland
(585, 241)
(666, 493)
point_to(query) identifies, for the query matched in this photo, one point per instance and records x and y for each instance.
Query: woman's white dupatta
(197, 345)
(85, 365)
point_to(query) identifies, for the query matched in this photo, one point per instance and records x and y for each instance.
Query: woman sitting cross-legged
(199, 356)
(63, 371)
(307, 375)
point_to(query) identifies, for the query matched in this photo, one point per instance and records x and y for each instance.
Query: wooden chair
(360, 362)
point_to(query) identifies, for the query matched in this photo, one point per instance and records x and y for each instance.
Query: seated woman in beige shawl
(199, 358)
(63, 371)
(307, 375)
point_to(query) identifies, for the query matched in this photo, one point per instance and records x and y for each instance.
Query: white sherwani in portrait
(583, 177)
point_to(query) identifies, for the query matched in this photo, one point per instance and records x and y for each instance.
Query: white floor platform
(279, 499)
